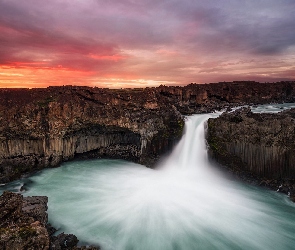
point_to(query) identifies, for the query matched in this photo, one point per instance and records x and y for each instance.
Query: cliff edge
(260, 146)
(43, 127)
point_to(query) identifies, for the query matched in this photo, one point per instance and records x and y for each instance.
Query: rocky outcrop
(43, 127)
(204, 98)
(23, 225)
(260, 146)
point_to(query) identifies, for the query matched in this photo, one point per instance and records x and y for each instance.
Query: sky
(137, 43)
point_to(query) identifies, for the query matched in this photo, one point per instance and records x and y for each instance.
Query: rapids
(185, 203)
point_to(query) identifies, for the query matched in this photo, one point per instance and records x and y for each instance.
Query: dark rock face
(23, 225)
(36, 208)
(261, 146)
(63, 241)
(43, 127)
(204, 98)
(19, 224)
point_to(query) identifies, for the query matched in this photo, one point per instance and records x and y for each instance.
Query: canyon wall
(263, 144)
(204, 98)
(256, 146)
(44, 127)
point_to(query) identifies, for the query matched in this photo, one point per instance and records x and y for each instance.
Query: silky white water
(186, 203)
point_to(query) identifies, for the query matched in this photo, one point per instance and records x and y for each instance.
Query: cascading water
(184, 204)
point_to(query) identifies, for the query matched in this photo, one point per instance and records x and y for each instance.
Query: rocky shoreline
(258, 148)
(42, 128)
(24, 225)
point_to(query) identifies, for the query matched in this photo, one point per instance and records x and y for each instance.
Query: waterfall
(185, 203)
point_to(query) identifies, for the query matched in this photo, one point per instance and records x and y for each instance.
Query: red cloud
(46, 49)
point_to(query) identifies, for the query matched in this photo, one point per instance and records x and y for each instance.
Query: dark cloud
(197, 38)
(247, 27)
(29, 41)
(255, 26)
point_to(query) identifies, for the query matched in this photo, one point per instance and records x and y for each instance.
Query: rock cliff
(204, 98)
(261, 146)
(43, 127)
(23, 225)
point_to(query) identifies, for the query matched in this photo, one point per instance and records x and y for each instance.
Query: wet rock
(261, 145)
(284, 189)
(23, 225)
(18, 230)
(50, 229)
(36, 207)
(67, 242)
(63, 241)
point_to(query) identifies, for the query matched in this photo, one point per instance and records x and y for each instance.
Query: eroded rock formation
(204, 98)
(23, 225)
(42, 127)
(261, 146)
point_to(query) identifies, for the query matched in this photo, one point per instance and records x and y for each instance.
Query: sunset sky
(137, 43)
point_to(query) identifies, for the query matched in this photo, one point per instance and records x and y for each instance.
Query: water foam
(183, 204)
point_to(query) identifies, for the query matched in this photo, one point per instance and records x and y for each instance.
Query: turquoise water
(185, 203)
(272, 108)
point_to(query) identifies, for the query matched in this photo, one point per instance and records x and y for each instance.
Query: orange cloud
(31, 77)
(130, 44)
(114, 58)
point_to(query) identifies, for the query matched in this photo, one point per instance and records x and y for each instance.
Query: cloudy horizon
(131, 43)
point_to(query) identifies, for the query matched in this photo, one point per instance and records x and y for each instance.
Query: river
(185, 203)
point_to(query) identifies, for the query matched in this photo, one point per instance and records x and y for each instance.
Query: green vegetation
(181, 126)
(26, 232)
(213, 141)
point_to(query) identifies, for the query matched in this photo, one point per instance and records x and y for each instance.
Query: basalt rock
(23, 225)
(43, 127)
(204, 98)
(259, 146)
(20, 227)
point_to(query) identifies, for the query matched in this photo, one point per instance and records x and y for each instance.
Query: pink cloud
(176, 42)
